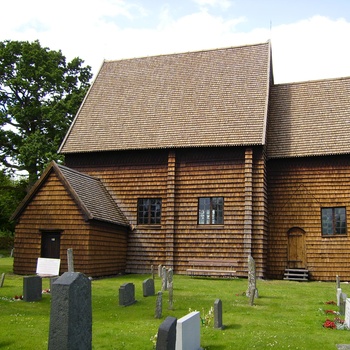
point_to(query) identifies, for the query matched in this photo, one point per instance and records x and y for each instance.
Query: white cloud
(310, 49)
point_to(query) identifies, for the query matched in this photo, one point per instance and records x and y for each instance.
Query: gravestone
(171, 297)
(160, 271)
(337, 281)
(164, 279)
(218, 314)
(32, 288)
(166, 337)
(170, 276)
(251, 278)
(127, 294)
(347, 312)
(152, 271)
(339, 291)
(342, 303)
(70, 260)
(159, 305)
(2, 279)
(148, 287)
(188, 332)
(71, 313)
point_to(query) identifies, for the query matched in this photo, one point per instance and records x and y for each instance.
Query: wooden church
(197, 154)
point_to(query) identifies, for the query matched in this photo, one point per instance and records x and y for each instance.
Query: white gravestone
(339, 291)
(347, 312)
(188, 332)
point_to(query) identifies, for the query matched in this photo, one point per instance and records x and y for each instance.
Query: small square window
(211, 211)
(333, 221)
(149, 211)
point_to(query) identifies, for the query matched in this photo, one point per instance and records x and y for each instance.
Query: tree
(11, 193)
(39, 95)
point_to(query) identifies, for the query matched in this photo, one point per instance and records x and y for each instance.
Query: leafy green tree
(11, 193)
(39, 95)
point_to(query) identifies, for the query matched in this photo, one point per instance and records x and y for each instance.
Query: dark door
(296, 248)
(50, 245)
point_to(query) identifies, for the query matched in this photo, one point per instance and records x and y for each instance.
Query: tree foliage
(11, 193)
(39, 95)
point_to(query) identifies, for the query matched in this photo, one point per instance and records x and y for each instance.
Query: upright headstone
(166, 337)
(170, 276)
(337, 281)
(148, 287)
(218, 314)
(152, 271)
(251, 277)
(188, 332)
(339, 291)
(71, 313)
(159, 305)
(171, 296)
(342, 303)
(127, 294)
(32, 288)
(12, 251)
(347, 312)
(160, 271)
(70, 260)
(164, 279)
(2, 279)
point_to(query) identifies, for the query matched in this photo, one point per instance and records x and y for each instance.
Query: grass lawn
(287, 315)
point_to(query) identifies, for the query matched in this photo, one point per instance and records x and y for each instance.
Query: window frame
(215, 218)
(154, 217)
(333, 222)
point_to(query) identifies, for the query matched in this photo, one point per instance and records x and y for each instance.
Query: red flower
(329, 324)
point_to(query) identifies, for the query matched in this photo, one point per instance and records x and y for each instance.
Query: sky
(310, 39)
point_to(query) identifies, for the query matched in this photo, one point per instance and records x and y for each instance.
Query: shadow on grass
(231, 326)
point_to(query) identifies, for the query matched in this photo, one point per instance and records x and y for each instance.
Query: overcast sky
(310, 38)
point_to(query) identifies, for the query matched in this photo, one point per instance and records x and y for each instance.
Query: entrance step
(296, 275)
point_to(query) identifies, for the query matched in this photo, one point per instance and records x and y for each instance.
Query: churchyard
(284, 315)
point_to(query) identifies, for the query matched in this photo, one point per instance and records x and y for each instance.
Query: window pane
(149, 211)
(204, 211)
(339, 220)
(327, 221)
(210, 210)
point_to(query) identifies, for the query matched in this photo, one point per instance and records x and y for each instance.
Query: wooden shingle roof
(196, 99)
(309, 119)
(88, 192)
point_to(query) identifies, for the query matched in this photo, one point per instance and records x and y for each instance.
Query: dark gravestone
(148, 287)
(32, 288)
(218, 314)
(166, 338)
(127, 294)
(71, 313)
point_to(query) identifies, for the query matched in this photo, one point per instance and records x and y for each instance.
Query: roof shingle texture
(309, 119)
(93, 197)
(206, 98)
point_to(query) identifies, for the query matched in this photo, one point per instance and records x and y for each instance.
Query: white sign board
(48, 267)
(347, 312)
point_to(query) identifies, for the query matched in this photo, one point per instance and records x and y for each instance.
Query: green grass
(287, 315)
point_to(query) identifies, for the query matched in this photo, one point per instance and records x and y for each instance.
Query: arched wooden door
(296, 248)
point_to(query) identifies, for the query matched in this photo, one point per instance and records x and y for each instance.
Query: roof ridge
(186, 52)
(313, 81)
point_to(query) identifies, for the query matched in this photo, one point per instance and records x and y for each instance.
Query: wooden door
(50, 245)
(296, 248)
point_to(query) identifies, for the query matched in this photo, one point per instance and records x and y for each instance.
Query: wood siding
(180, 177)
(53, 209)
(298, 189)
